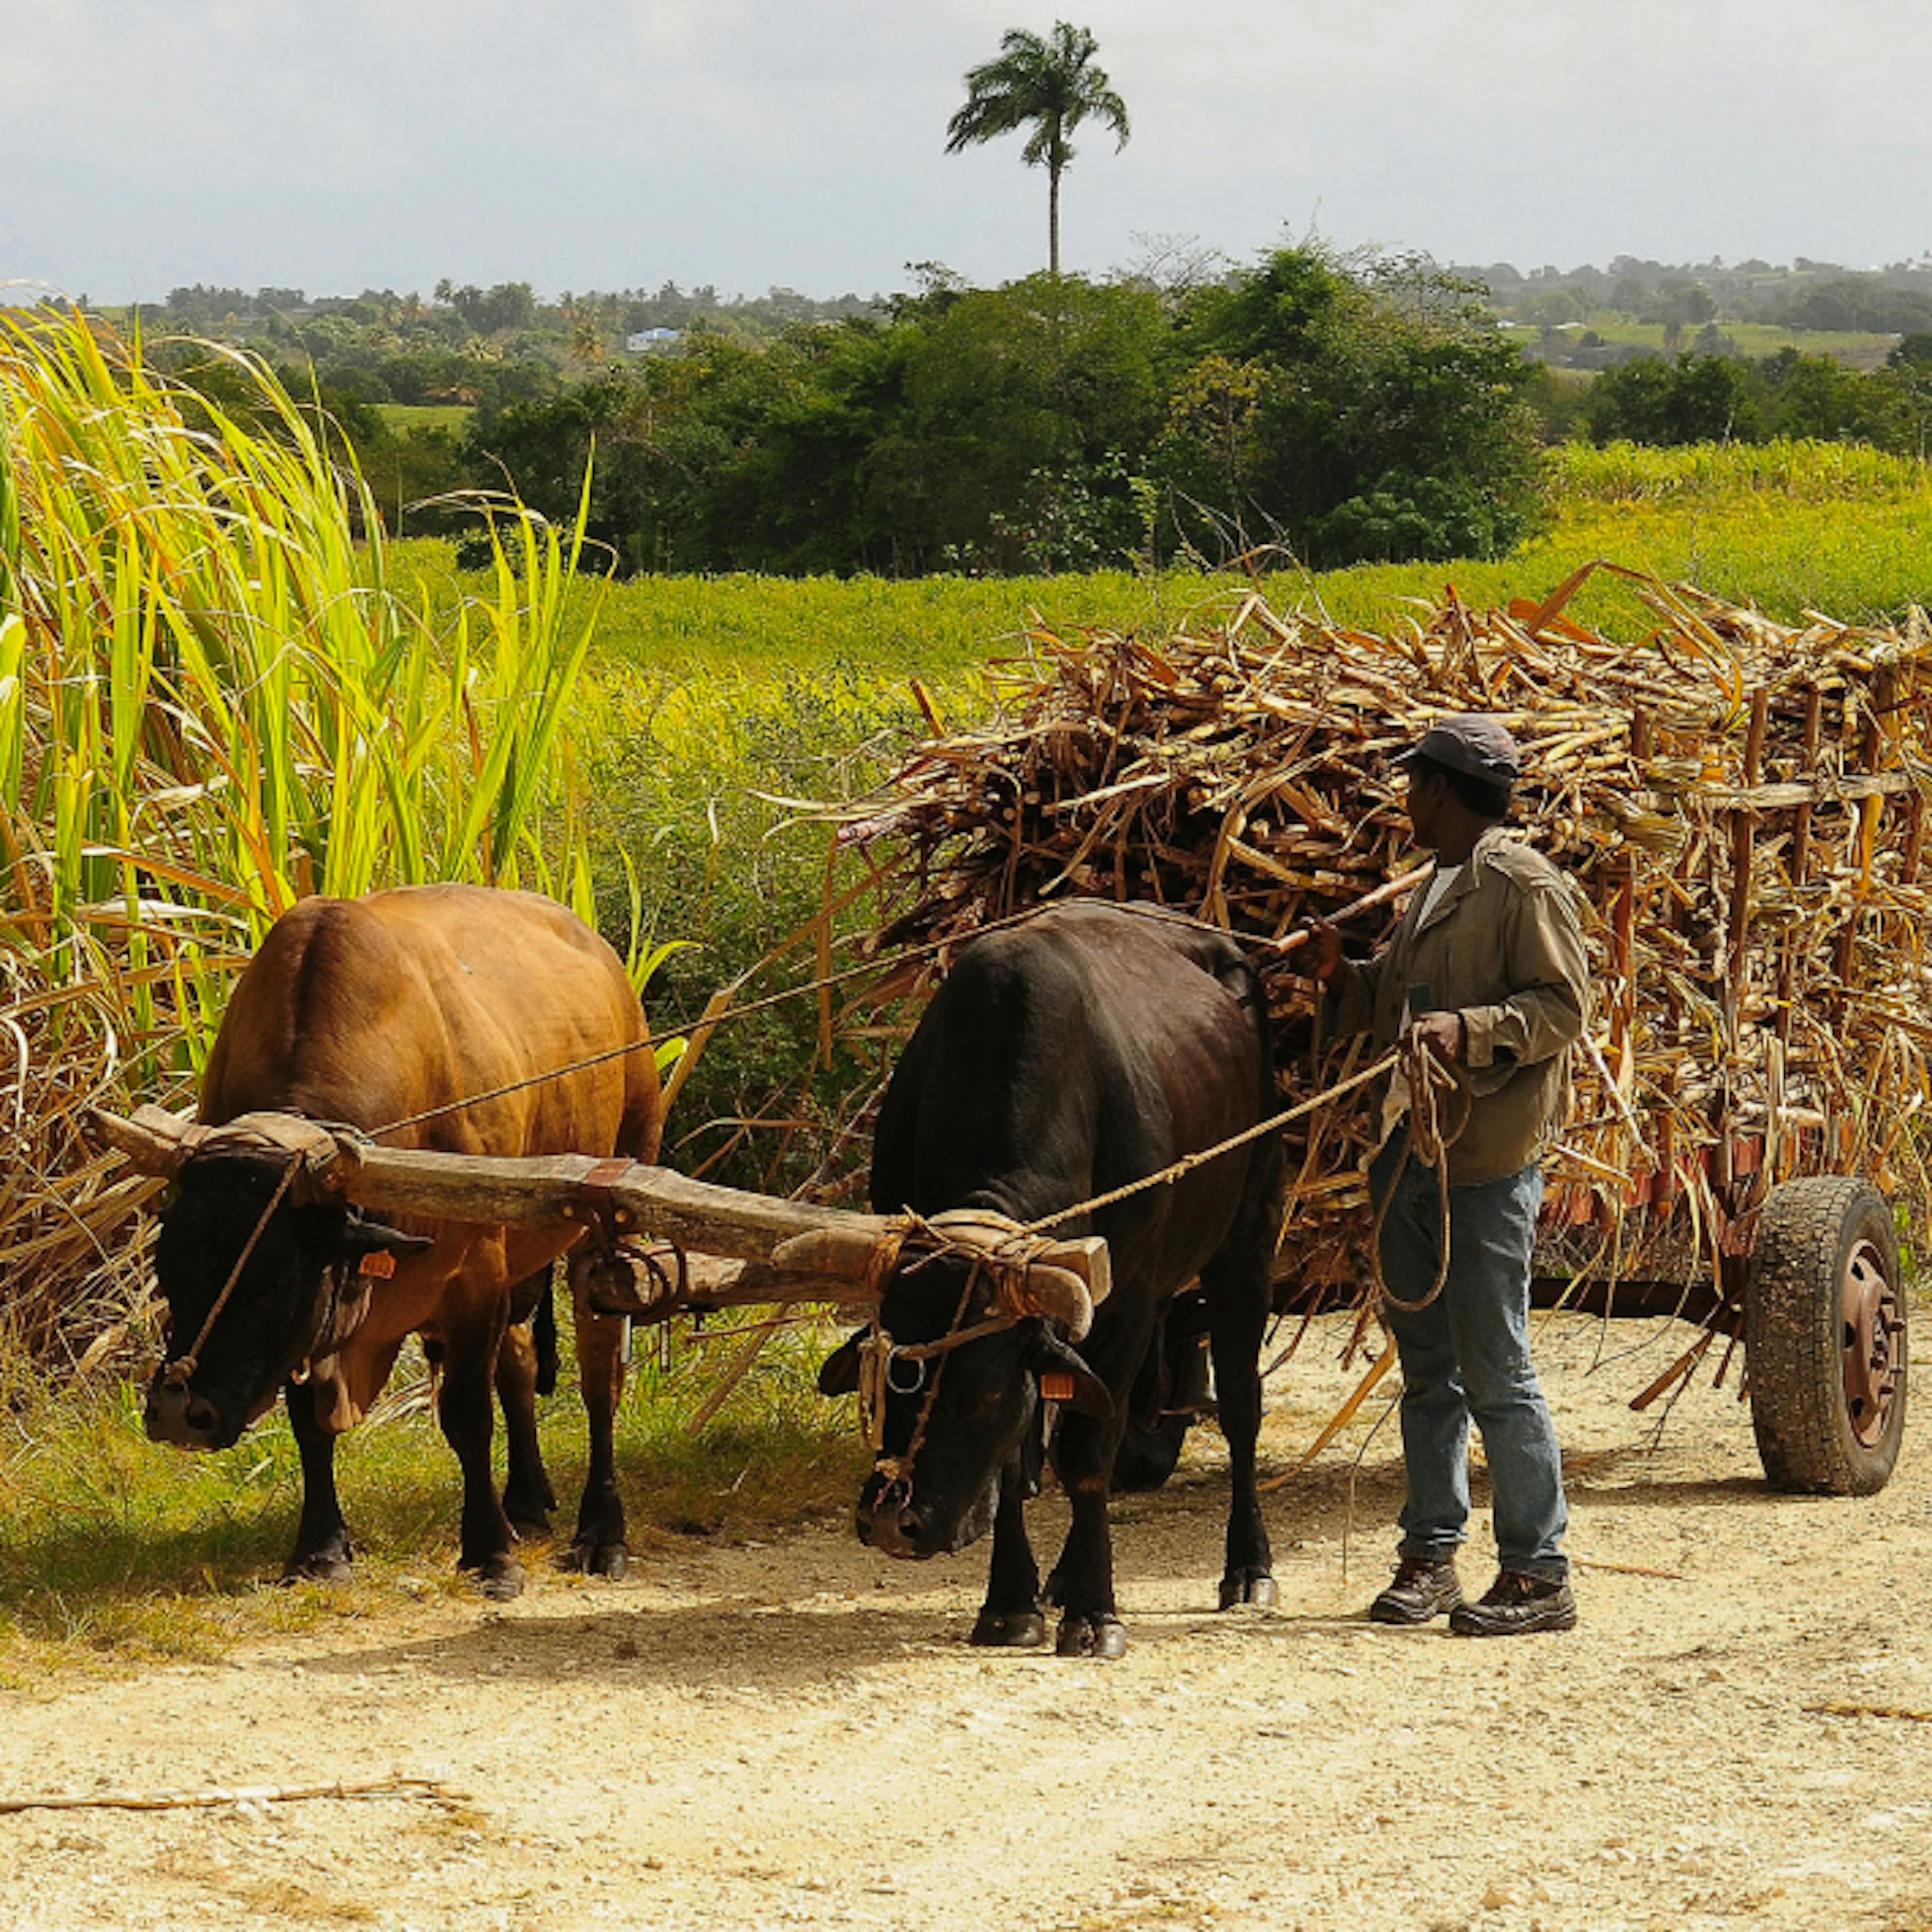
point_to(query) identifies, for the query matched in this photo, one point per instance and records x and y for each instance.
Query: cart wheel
(1825, 1337)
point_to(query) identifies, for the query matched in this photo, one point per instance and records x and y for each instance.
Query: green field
(1857, 348)
(403, 417)
(1788, 527)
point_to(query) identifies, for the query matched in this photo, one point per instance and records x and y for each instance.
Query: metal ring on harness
(893, 1357)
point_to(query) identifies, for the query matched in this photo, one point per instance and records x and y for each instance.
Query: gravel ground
(1739, 1733)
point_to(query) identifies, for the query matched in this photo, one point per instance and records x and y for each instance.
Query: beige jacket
(1503, 947)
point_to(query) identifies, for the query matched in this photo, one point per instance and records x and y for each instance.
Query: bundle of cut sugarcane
(1742, 803)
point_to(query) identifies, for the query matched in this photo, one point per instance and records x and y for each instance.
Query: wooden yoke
(791, 1250)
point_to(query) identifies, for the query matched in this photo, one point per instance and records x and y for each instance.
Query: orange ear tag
(380, 1263)
(1056, 1385)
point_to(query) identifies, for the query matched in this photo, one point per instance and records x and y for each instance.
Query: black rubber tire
(1807, 1234)
(1146, 1457)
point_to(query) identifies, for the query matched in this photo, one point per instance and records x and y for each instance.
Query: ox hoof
(608, 1560)
(1248, 1586)
(1098, 1636)
(530, 1522)
(1009, 1629)
(502, 1578)
(328, 1565)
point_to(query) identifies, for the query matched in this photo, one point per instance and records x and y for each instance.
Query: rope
(714, 1021)
(897, 1470)
(1367, 902)
(878, 1351)
(1188, 1162)
(1424, 1140)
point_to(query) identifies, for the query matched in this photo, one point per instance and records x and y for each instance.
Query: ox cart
(1742, 805)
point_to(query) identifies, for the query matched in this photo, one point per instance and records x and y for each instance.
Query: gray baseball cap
(1475, 743)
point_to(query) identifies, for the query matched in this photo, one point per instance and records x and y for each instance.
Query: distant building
(643, 341)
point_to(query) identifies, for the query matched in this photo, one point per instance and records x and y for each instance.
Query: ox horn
(155, 1141)
(1060, 1293)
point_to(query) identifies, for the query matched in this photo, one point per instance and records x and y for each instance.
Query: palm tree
(1049, 84)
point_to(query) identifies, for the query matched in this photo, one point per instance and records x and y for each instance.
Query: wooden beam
(553, 1187)
(638, 1199)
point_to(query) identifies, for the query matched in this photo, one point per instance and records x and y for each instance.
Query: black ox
(1085, 1048)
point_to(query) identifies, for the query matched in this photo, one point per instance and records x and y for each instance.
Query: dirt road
(798, 1736)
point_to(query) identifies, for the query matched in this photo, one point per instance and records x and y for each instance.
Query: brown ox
(368, 1012)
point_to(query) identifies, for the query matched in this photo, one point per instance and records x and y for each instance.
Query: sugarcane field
(464, 1292)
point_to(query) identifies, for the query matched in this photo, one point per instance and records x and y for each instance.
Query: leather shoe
(1424, 1587)
(1516, 1604)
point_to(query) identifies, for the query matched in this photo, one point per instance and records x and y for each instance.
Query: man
(1486, 971)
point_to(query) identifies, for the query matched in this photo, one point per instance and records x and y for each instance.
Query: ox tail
(531, 1301)
(543, 1332)
(1243, 978)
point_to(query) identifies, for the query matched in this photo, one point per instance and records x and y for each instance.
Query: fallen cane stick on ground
(1628, 1569)
(436, 1792)
(1837, 1707)
(1378, 1368)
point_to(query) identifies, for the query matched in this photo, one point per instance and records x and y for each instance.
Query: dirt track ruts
(799, 1735)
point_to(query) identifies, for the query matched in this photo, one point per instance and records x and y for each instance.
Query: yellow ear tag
(380, 1263)
(1056, 1385)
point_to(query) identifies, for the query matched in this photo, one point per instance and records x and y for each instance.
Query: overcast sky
(334, 145)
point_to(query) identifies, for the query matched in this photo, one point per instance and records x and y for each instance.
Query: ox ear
(361, 1237)
(839, 1375)
(1079, 1388)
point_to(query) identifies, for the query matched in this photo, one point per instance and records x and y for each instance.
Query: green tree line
(1706, 398)
(1336, 410)
(1326, 409)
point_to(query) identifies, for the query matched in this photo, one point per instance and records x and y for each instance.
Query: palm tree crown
(1051, 84)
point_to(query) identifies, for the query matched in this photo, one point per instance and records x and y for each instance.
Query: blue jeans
(1467, 1355)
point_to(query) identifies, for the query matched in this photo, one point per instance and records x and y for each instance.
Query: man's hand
(1442, 1033)
(1323, 956)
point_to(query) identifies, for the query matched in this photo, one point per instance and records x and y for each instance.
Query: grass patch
(777, 1455)
(115, 1551)
(403, 417)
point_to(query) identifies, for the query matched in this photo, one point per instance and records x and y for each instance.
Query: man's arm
(1351, 984)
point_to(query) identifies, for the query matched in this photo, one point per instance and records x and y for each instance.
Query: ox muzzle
(895, 1521)
(177, 1412)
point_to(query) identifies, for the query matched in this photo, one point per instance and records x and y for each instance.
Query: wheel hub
(1873, 1324)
